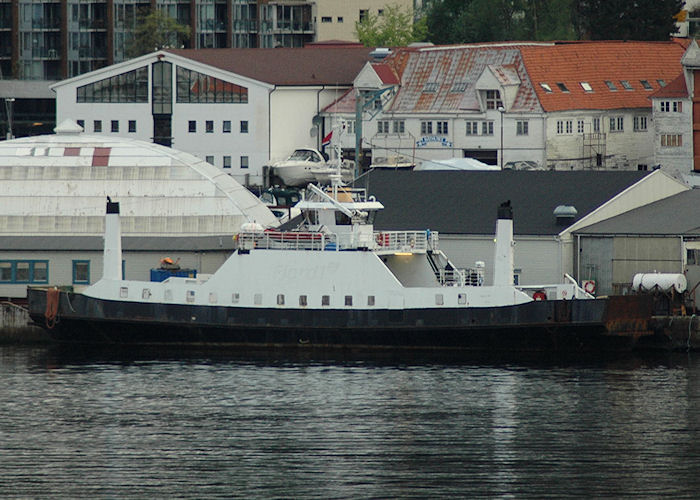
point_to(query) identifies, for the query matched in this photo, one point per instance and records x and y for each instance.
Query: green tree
(626, 20)
(156, 30)
(394, 28)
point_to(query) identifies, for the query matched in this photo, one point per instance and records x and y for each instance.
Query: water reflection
(79, 422)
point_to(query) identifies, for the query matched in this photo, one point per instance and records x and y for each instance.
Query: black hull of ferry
(611, 324)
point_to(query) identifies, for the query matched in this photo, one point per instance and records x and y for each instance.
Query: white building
(238, 109)
(52, 205)
(561, 106)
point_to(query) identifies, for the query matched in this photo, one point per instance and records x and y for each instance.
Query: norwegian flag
(327, 140)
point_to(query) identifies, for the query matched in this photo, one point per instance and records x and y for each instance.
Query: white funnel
(503, 258)
(112, 261)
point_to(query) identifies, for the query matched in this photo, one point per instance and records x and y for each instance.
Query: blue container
(164, 274)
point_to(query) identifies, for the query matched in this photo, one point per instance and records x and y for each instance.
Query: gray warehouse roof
(465, 202)
(676, 215)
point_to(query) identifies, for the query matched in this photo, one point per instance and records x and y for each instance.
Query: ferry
(336, 282)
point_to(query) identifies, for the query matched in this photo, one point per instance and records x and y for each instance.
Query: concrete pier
(17, 328)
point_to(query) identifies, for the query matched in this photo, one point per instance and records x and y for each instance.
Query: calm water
(97, 425)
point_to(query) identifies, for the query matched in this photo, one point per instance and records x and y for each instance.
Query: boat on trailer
(336, 282)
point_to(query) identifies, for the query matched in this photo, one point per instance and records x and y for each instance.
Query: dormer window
(562, 87)
(493, 99)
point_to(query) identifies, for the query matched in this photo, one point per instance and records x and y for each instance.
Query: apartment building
(56, 39)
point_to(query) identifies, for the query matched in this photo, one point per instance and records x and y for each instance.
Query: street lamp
(501, 110)
(8, 110)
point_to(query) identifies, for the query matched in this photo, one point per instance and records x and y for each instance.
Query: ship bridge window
(439, 299)
(235, 298)
(303, 301)
(190, 296)
(342, 220)
(462, 298)
(280, 299)
(348, 300)
(146, 293)
(326, 300)
(370, 300)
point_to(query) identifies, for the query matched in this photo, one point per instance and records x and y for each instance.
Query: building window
(493, 99)
(610, 85)
(97, 126)
(546, 87)
(646, 84)
(487, 127)
(209, 126)
(82, 124)
(363, 14)
(81, 272)
(596, 124)
(244, 162)
(303, 300)
(325, 300)
(472, 128)
(560, 126)
(640, 123)
(579, 126)
(442, 128)
(399, 126)
(280, 299)
(522, 128)
(132, 126)
(426, 128)
(370, 300)
(350, 126)
(662, 83)
(569, 126)
(209, 159)
(115, 125)
(244, 126)
(382, 127)
(677, 106)
(642, 167)
(192, 126)
(430, 87)
(128, 87)
(586, 86)
(227, 162)
(226, 127)
(617, 124)
(626, 85)
(195, 87)
(340, 19)
(24, 271)
(562, 87)
(348, 300)
(671, 140)
(326, 19)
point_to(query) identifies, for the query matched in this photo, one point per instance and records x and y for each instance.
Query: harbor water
(104, 424)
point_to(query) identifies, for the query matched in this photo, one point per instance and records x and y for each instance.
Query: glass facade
(127, 87)
(195, 87)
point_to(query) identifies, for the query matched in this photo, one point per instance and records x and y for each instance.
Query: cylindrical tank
(661, 281)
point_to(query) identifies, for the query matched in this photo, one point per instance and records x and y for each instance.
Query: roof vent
(565, 214)
(68, 127)
(380, 52)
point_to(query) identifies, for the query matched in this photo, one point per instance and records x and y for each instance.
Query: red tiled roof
(596, 62)
(286, 66)
(677, 88)
(385, 73)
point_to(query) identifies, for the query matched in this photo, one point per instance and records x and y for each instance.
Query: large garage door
(488, 156)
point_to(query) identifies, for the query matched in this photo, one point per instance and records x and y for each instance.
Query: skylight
(459, 87)
(562, 87)
(626, 85)
(586, 86)
(546, 87)
(610, 85)
(430, 87)
(646, 84)
(662, 83)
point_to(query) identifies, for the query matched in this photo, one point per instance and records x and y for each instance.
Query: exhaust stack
(112, 261)
(503, 258)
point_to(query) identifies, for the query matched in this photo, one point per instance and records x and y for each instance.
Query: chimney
(503, 258)
(112, 260)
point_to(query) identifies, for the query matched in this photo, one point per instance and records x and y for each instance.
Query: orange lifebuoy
(539, 295)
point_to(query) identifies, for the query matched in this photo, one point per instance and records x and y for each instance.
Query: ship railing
(405, 241)
(560, 291)
(460, 277)
(287, 240)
